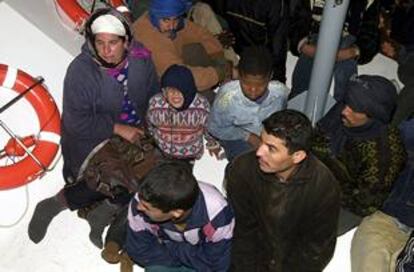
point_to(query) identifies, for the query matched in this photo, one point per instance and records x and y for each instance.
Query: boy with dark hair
(172, 189)
(241, 105)
(286, 202)
(256, 60)
(178, 224)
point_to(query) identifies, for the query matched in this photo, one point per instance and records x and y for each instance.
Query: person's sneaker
(110, 253)
(44, 212)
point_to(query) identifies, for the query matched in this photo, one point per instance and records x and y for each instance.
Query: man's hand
(308, 49)
(131, 134)
(351, 52)
(226, 38)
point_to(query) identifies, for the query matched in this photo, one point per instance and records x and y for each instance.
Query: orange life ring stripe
(76, 13)
(47, 146)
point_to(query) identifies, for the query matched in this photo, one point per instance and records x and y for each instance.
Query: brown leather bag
(116, 165)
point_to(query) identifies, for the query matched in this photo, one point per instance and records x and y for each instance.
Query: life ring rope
(74, 15)
(10, 78)
(49, 137)
(40, 153)
(22, 145)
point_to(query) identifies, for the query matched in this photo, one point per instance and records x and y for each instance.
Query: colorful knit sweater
(179, 134)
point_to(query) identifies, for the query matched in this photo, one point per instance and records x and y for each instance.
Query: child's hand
(215, 152)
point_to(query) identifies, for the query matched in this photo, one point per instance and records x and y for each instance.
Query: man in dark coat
(286, 201)
(357, 143)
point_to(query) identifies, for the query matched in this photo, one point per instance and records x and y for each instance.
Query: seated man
(359, 42)
(398, 43)
(173, 39)
(261, 22)
(179, 224)
(286, 201)
(177, 117)
(105, 97)
(201, 14)
(241, 105)
(381, 236)
(357, 143)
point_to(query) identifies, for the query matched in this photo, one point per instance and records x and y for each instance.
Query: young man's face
(253, 86)
(168, 24)
(274, 157)
(110, 47)
(351, 118)
(153, 213)
(174, 97)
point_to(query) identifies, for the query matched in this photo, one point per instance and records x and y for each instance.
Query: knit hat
(108, 23)
(181, 78)
(373, 95)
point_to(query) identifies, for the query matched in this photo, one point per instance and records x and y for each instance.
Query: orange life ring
(74, 15)
(46, 144)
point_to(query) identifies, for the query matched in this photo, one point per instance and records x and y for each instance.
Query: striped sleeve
(212, 254)
(142, 243)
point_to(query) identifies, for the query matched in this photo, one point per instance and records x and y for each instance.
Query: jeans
(234, 148)
(343, 70)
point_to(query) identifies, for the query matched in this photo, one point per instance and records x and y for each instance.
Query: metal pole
(11, 134)
(330, 32)
(38, 81)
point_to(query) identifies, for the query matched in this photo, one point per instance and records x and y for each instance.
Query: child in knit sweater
(177, 117)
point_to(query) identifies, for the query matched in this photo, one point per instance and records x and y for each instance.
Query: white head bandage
(108, 24)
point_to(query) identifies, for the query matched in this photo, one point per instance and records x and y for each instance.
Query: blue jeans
(161, 268)
(343, 70)
(234, 148)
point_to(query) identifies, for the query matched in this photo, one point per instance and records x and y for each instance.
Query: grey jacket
(92, 102)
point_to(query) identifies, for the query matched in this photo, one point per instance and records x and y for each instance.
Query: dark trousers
(79, 195)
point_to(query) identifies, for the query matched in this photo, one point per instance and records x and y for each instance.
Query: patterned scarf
(128, 114)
